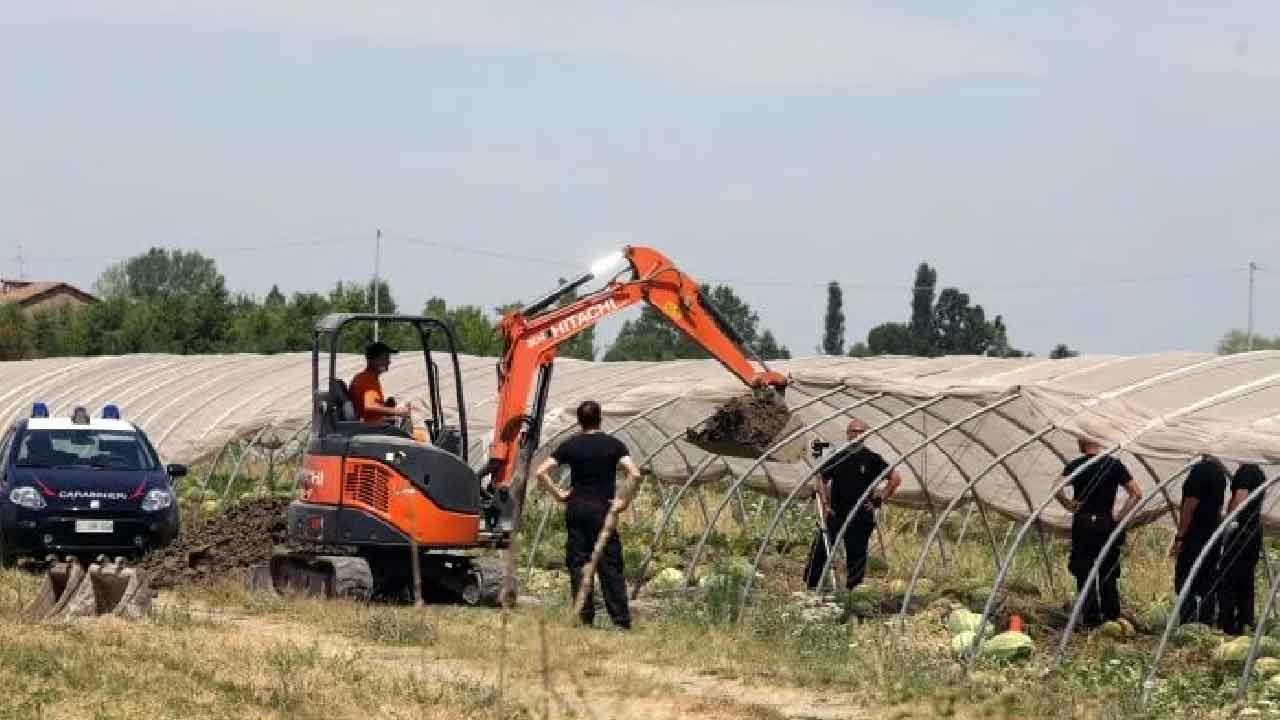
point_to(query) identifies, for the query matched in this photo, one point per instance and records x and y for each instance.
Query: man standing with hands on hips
(593, 458)
(1093, 519)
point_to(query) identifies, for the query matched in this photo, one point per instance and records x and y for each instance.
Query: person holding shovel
(590, 503)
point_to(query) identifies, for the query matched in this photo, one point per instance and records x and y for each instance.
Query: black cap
(376, 349)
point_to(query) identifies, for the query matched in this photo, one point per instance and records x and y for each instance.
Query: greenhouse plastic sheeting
(1160, 409)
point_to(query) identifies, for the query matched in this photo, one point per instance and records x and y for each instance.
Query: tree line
(947, 323)
(177, 302)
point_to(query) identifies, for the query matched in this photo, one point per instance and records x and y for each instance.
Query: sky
(1099, 174)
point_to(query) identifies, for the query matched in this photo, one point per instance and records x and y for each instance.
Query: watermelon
(667, 580)
(1267, 667)
(1113, 630)
(962, 620)
(1009, 646)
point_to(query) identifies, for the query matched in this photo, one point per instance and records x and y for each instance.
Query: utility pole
(1253, 268)
(377, 279)
(22, 264)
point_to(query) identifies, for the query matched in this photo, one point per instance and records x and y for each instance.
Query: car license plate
(95, 526)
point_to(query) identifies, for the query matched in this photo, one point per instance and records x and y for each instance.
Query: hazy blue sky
(1098, 173)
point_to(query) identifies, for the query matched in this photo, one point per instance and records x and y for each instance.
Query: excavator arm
(534, 334)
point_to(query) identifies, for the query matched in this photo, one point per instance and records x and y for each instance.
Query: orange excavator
(374, 495)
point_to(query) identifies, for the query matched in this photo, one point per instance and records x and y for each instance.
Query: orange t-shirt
(366, 391)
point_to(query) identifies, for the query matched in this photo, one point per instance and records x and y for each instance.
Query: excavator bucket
(60, 582)
(748, 427)
(104, 588)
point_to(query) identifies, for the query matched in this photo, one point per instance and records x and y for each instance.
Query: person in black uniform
(1202, 496)
(842, 479)
(1092, 505)
(593, 459)
(1240, 552)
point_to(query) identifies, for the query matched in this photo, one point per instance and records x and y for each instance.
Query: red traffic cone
(1015, 623)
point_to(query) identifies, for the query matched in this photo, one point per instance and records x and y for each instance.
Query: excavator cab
(333, 412)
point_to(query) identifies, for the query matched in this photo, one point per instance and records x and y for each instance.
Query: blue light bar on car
(39, 410)
(110, 412)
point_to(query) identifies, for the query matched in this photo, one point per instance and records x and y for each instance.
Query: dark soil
(752, 423)
(227, 543)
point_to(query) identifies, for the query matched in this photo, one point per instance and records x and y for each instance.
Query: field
(215, 651)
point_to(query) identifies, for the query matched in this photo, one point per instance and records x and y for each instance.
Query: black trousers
(1088, 534)
(584, 523)
(856, 538)
(1201, 605)
(1235, 594)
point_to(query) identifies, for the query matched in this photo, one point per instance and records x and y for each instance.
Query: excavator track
(472, 581)
(484, 582)
(319, 575)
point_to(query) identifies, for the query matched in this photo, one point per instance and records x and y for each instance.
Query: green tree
(653, 337)
(112, 283)
(946, 325)
(179, 298)
(17, 336)
(999, 346)
(833, 321)
(275, 298)
(472, 330)
(160, 274)
(62, 332)
(258, 328)
(300, 317)
(1237, 341)
(1062, 352)
(891, 339)
(922, 309)
(859, 350)
(358, 298)
(959, 328)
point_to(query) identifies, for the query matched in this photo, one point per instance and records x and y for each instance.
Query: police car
(83, 485)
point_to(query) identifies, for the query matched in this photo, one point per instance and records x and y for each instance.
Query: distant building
(34, 297)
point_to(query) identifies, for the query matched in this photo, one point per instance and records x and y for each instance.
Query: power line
(986, 287)
(747, 282)
(482, 252)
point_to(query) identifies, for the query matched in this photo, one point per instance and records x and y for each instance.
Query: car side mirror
(176, 471)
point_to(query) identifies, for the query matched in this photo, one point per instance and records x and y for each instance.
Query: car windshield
(84, 448)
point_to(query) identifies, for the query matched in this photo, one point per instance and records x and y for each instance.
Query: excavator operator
(366, 389)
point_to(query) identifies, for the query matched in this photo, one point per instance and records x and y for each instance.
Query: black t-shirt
(1207, 482)
(593, 466)
(850, 473)
(1095, 487)
(1249, 478)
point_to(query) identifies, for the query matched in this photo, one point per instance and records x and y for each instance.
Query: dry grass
(223, 653)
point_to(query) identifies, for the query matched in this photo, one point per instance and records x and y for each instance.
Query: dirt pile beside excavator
(225, 545)
(747, 427)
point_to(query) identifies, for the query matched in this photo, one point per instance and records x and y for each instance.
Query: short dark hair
(377, 349)
(589, 415)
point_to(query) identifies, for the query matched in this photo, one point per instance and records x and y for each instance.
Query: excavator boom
(534, 334)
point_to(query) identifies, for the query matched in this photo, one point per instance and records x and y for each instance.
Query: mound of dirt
(228, 542)
(752, 423)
